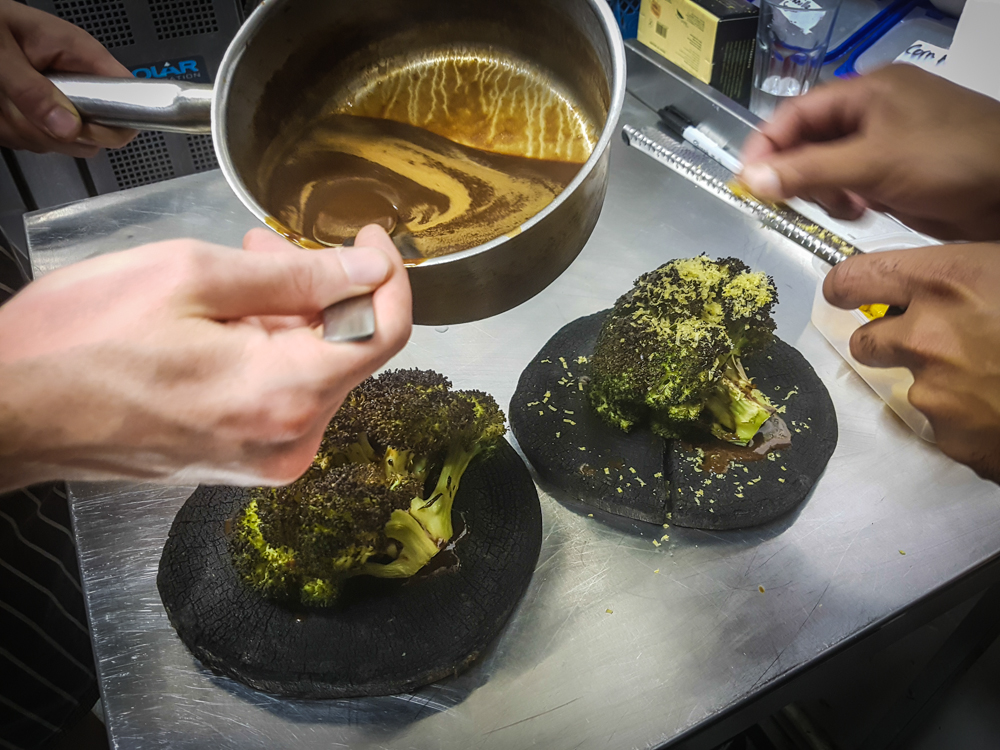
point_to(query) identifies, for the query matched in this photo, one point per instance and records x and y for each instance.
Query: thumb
(375, 236)
(41, 103)
(302, 282)
(844, 164)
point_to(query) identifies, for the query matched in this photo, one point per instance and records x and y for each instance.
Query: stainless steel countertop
(680, 646)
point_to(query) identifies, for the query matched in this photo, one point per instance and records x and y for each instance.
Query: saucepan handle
(173, 106)
(350, 320)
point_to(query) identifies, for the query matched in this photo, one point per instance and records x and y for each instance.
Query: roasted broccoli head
(377, 499)
(668, 355)
(424, 429)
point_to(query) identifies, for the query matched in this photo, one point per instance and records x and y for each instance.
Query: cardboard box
(713, 40)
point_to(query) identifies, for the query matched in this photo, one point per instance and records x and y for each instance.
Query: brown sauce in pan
(345, 172)
(454, 147)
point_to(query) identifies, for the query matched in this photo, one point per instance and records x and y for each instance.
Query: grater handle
(172, 106)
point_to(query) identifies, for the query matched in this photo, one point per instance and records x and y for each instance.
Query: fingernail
(762, 180)
(61, 123)
(364, 266)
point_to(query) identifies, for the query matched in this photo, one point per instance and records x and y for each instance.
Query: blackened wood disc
(571, 446)
(642, 476)
(754, 492)
(388, 636)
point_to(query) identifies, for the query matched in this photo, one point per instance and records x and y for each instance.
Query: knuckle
(121, 142)
(917, 344)
(34, 140)
(117, 138)
(399, 335)
(889, 76)
(29, 98)
(958, 446)
(791, 110)
(878, 265)
(843, 280)
(304, 277)
(986, 464)
(189, 263)
(947, 278)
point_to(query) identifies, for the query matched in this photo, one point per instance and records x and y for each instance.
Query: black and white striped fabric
(47, 679)
(13, 273)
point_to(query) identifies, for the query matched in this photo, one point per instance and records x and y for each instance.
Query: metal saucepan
(292, 56)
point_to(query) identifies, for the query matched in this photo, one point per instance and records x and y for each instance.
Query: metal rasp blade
(708, 174)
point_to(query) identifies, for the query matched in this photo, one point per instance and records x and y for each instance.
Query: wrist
(20, 464)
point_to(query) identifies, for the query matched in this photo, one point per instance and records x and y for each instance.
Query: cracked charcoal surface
(784, 376)
(559, 460)
(441, 622)
(787, 378)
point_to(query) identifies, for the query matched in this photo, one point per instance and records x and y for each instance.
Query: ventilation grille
(141, 162)
(105, 20)
(177, 18)
(202, 153)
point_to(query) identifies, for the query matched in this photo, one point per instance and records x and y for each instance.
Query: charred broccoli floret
(302, 541)
(424, 425)
(476, 425)
(668, 355)
(362, 508)
(408, 414)
(345, 439)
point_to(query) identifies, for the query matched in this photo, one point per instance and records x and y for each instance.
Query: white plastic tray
(891, 384)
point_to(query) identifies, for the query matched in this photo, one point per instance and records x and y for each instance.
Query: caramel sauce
(718, 455)
(345, 172)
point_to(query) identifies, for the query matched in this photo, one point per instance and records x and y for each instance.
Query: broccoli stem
(400, 464)
(397, 462)
(434, 514)
(418, 548)
(738, 407)
(360, 452)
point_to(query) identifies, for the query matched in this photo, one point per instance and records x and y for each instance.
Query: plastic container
(627, 15)
(951, 7)
(891, 384)
(920, 25)
(852, 16)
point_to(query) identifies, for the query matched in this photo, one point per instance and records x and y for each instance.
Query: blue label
(181, 69)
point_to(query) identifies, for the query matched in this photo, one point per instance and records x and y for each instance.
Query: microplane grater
(708, 174)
